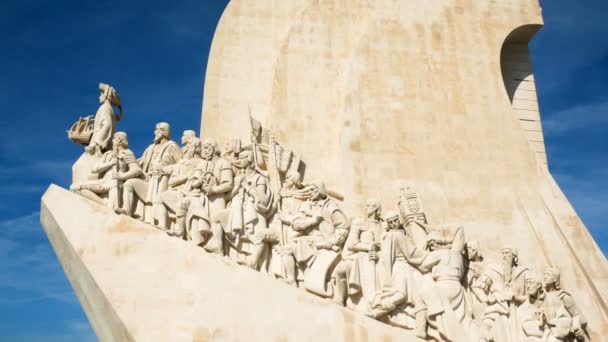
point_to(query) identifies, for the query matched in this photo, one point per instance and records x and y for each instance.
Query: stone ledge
(136, 283)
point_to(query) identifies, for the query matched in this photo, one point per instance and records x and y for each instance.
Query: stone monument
(381, 176)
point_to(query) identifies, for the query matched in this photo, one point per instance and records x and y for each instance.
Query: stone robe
(104, 126)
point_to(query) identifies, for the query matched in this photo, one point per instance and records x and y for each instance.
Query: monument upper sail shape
(437, 95)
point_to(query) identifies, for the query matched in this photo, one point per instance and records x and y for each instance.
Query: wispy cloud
(28, 265)
(576, 117)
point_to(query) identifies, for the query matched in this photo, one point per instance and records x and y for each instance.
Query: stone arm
(533, 328)
(104, 166)
(421, 259)
(302, 222)
(133, 172)
(458, 243)
(173, 154)
(225, 182)
(578, 320)
(238, 184)
(355, 234)
(176, 180)
(341, 228)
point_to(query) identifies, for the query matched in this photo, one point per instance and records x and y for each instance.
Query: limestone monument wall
(438, 95)
(380, 175)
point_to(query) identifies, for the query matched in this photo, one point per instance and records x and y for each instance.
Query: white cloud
(576, 117)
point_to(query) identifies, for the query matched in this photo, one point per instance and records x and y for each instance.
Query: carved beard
(507, 269)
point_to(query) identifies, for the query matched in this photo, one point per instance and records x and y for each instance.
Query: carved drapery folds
(252, 203)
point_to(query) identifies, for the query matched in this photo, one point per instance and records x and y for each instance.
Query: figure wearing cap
(509, 276)
(105, 120)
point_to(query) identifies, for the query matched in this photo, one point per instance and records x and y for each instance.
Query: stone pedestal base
(136, 283)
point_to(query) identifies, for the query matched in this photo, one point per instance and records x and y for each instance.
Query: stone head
(373, 207)
(209, 149)
(317, 190)
(120, 139)
(193, 148)
(292, 179)
(245, 160)
(162, 131)
(509, 255)
(472, 249)
(533, 285)
(108, 93)
(551, 277)
(187, 136)
(393, 221)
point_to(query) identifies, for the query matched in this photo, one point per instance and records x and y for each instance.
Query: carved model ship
(82, 130)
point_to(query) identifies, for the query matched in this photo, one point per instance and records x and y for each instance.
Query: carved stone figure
(155, 163)
(394, 300)
(473, 263)
(441, 303)
(508, 277)
(326, 228)
(184, 188)
(490, 309)
(117, 166)
(246, 222)
(542, 317)
(290, 198)
(187, 136)
(556, 295)
(218, 182)
(105, 119)
(362, 250)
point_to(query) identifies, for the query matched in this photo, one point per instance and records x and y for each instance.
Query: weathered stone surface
(137, 283)
(384, 93)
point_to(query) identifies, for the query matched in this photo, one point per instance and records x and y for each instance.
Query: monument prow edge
(135, 283)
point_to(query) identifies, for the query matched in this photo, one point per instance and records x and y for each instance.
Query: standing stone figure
(105, 120)
(509, 278)
(326, 228)
(156, 163)
(290, 198)
(362, 250)
(473, 263)
(218, 182)
(441, 303)
(184, 187)
(117, 166)
(490, 310)
(399, 282)
(556, 296)
(246, 224)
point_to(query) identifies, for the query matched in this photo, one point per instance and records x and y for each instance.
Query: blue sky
(55, 53)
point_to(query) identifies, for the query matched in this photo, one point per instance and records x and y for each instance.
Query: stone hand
(373, 255)
(323, 245)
